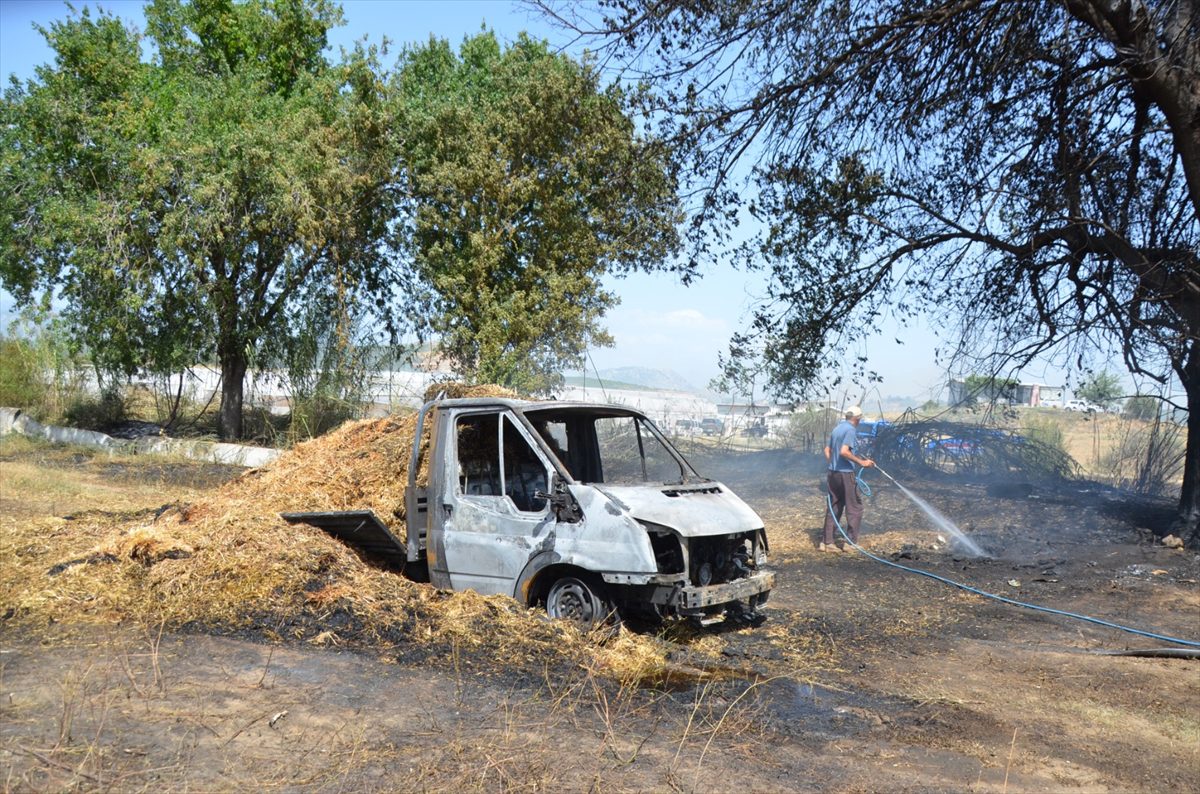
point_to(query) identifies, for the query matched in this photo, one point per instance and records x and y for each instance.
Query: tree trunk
(233, 376)
(1187, 521)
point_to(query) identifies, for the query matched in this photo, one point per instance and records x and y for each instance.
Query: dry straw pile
(228, 562)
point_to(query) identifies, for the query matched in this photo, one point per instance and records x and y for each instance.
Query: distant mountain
(643, 376)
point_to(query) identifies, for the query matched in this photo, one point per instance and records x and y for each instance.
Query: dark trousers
(843, 493)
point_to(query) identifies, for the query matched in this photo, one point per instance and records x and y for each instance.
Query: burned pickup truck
(584, 508)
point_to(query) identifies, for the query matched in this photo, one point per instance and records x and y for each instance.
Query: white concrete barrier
(215, 452)
(7, 417)
(13, 421)
(63, 435)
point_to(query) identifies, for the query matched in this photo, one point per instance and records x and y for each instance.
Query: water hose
(862, 485)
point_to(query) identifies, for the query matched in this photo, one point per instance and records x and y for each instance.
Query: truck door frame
(483, 541)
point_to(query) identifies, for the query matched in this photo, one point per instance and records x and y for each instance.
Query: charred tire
(579, 600)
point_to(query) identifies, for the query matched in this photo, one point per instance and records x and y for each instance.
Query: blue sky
(659, 323)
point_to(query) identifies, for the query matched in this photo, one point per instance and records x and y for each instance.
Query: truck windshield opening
(615, 449)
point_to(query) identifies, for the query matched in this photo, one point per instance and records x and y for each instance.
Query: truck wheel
(577, 600)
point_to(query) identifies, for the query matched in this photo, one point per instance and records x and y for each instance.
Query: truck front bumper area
(693, 598)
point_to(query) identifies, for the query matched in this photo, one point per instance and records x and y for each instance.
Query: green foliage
(527, 185)
(929, 406)
(280, 39)
(21, 381)
(1143, 406)
(97, 412)
(329, 368)
(1046, 431)
(40, 376)
(1103, 389)
(741, 370)
(184, 207)
(806, 430)
(40, 373)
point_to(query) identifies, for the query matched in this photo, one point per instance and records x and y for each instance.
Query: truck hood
(691, 510)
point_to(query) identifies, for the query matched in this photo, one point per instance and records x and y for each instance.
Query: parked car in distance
(964, 447)
(1082, 406)
(686, 426)
(952, 447)
(869, 429)
(756, 429)
(711, 426)
(867, 432)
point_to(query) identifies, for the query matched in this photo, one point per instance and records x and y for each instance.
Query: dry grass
(226, 561)
(632, 659)
(121, 710)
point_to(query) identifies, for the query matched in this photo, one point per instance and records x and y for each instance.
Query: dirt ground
(865, 677)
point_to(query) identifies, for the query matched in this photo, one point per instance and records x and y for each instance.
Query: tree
(739, 373)
(184, 206)
(1146, 407)
(1103, 389)
(526, 184)
(1025, 172)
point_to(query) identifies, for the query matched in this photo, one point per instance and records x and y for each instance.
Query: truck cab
(586, 509)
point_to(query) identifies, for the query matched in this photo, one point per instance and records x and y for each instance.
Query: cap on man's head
(853, 411)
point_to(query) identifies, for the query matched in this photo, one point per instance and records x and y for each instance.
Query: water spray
(1192, 646)
(943, 523)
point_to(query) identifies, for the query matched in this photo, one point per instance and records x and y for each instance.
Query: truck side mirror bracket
(561, 501)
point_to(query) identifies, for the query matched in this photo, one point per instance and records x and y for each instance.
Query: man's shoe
(827, 547)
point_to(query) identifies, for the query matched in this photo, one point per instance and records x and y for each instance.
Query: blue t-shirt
(845, 434)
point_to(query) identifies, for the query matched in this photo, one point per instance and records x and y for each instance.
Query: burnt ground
(864, 678)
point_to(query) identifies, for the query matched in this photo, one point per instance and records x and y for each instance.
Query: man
(843, 487)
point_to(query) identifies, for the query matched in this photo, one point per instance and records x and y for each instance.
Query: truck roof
(526, 406)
